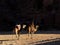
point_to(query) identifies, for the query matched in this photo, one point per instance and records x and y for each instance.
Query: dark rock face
(22, 11)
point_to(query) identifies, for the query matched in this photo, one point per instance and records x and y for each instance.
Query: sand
(25, 40)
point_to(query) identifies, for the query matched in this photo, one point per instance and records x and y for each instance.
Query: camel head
(37, 26)
(24, 26)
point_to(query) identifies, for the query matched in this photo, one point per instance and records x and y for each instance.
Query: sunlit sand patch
(25, 40)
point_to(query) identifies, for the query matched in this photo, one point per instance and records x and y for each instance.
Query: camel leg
(28, 33)
(32, 33)
(17, 34)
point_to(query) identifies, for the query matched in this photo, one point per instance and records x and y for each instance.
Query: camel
(32, 29)
(17, 30)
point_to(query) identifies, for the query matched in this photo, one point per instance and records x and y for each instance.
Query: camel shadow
(48, 42)
(48, 32)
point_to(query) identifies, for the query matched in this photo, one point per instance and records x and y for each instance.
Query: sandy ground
(37, 39)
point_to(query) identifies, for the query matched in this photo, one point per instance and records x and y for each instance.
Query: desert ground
(43, 38)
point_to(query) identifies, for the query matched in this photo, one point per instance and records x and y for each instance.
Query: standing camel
(32, 29)
(17, 30)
